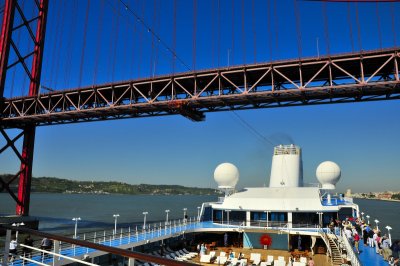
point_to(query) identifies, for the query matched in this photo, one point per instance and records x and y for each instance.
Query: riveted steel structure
(354, 77)
(34, 55)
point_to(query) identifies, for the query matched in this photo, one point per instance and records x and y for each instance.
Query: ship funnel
(287, 167)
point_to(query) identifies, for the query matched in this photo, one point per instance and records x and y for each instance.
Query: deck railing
(350, 251)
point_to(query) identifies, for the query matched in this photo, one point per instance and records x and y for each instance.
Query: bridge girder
(365, 76)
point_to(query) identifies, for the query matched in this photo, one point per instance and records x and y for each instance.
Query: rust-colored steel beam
(108, 249)
(364, 76)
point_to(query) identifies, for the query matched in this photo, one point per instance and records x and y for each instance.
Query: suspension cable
(99, 42)
(194, 34)
(350, 27)
(358, 29)
(254, 30)
(326, 27)
(298, 27)
(84, 44)
(151, 31)
(379, 24)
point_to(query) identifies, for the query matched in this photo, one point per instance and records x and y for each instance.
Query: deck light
(144, 220)
(390, 237)
(166, 219)
(367, 218)
(376, 222)
(16, 231)
(115, 223)
(76, 225)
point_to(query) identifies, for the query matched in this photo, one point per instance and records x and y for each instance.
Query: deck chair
(297, 263)
(282, 258)
(303, 259)
(279, 263)
(212, 254)
(256, 258)
(205, 258)
(270, 259)
(222, 254)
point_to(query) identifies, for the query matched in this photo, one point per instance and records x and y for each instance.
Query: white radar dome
(328, 174)
(226, 175)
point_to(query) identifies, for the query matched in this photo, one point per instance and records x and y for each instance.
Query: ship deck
(132, 239)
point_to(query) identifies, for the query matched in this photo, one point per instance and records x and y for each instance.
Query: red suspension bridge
(351, 77)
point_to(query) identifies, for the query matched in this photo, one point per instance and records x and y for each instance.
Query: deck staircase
(336, 253)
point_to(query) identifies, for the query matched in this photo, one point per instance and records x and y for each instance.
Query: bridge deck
(364, 76)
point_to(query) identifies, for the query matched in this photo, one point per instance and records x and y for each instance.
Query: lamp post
(144, 220)
(115, 223)
(16, 231)
(166, 218)
(390, 237)
(376, 222)
(320, 218)
(227, 214)
(362, 215)
(198, 213)
(76, 225)
(367, 218)
(184, 214)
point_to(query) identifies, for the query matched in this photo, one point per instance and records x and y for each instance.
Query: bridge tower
(9, 27)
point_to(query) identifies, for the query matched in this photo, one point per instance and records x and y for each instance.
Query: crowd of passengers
(358, 230)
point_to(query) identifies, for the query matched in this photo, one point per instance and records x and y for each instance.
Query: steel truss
(9, 27)
(353, 77)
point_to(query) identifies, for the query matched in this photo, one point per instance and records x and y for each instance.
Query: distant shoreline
(394, 200)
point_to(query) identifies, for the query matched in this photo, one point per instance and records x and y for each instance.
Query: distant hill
(58, 185)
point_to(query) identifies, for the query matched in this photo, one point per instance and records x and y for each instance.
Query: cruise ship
(288, 220)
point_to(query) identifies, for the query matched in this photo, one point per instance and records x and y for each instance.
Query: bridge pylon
(9, 28)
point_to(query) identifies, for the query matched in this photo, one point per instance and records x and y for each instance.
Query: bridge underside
(365, 76)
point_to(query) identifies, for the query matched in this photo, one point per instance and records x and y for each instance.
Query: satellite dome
(328, 174)
(226, 175)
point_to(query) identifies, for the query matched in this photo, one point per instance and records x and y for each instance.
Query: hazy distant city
(386, 195)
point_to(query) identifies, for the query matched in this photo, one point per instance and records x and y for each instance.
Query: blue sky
(360, 137)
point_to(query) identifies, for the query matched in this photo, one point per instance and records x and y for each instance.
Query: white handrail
(57, 255)
(350, 251)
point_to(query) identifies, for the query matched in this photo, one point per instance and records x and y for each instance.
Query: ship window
(278, 216)
(257, 216)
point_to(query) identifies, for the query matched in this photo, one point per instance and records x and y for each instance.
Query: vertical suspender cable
(326, 26)
(55, 48)
(213, 33)
(194, 34)
(84, 44)
(70, 44)
(98, 42)
(350, 27)
(392, 8)
(174, 39)
(143, 9)
(110, 47)
(276, 29)
(152, 61)
(254, 30)
(231, 55)
(115, 47)
(298, 27)
(133, 48)
(379, 24)
(60, 47)
(269, 29)
(243, 35)
(358, 29)
(219, 32)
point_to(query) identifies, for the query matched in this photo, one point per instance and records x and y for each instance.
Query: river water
(55, 211)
